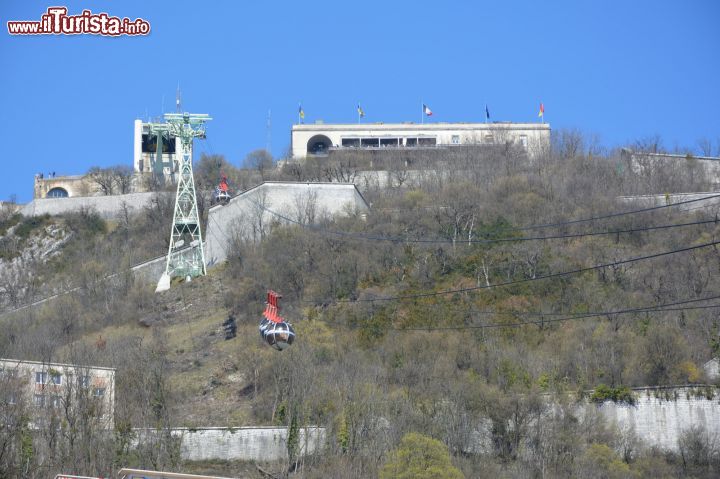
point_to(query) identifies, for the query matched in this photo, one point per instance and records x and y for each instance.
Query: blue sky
(621, 70)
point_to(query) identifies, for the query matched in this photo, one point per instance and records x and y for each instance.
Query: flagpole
(422, 112)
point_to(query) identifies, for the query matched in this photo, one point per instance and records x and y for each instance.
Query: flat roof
(419, 126)
(22, 361)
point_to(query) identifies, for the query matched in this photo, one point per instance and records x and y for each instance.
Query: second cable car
(221, 195)
(274, 330)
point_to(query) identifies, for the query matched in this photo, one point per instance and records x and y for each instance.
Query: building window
(12, 398)
(40, 377)
(385, 142)
(39, 400)
(351, 142)
(411, 142)
(427, 141)
(55, 401)
(56, 378)
(455, 139)
(57, 192)
(523, 141)
(99, 392)
(489, 139)
(84, 381)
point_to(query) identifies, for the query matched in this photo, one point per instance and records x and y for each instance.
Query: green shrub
(28, 225)
(621, 394)
(419, 457)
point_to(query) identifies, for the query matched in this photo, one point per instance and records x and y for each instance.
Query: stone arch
(318, 145)
(57, 192)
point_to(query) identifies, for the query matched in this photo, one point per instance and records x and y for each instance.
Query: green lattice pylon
(186, 257)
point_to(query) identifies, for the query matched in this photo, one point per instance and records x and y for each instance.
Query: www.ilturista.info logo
(57, 22)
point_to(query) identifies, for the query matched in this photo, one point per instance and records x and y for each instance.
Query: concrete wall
(536, 134)
(658, 419)
(648, 201)
(242, 443)
(249, 216)
(661, 415)
(149, 272)
(106, 206)
(650, 163)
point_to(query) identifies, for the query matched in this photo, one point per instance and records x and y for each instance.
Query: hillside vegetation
(440, 314)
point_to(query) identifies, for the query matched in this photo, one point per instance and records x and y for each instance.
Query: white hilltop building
(319, 138)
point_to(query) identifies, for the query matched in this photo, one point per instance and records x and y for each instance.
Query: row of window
(46, 377)
(385, 142)
(41, 377)
(42, 400)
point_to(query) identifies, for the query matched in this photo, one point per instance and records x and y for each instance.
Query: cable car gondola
(273, 328)
(221, 195)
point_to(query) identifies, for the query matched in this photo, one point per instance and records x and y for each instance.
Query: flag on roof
(301, 112)
(487, 113)
(542, 110)
(427, 110)
(360, 111)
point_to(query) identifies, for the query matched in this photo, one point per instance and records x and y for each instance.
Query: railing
(142, 474)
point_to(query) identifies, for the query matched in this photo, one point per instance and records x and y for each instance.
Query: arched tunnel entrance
(319, 145)
(57, 192)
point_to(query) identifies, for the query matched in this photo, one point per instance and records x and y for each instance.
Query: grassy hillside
(440, 313)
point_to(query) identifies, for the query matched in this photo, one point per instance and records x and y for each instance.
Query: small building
(53, 389)
(319, 139)
(147, 158)
(52, 186)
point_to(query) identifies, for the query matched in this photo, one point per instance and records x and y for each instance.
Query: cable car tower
(185, 258)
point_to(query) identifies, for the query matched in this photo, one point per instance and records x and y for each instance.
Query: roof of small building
(60, 365)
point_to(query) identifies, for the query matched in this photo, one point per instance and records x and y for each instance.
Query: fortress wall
(248, 216)
(649, 201)
(658, 419)
(108, 207)
(242, 443)
(660, 416)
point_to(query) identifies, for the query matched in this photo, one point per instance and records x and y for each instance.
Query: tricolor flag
(301, 112)
(427, 110)
(360, 111)
(542, 110)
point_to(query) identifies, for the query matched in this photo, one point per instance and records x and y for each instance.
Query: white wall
(246, 215)
(107, 206)
(245, 443)
(658, 421)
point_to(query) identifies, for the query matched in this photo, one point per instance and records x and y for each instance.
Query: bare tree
(123, 176)
(260, 160)
(104, 179)
(706, 146)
